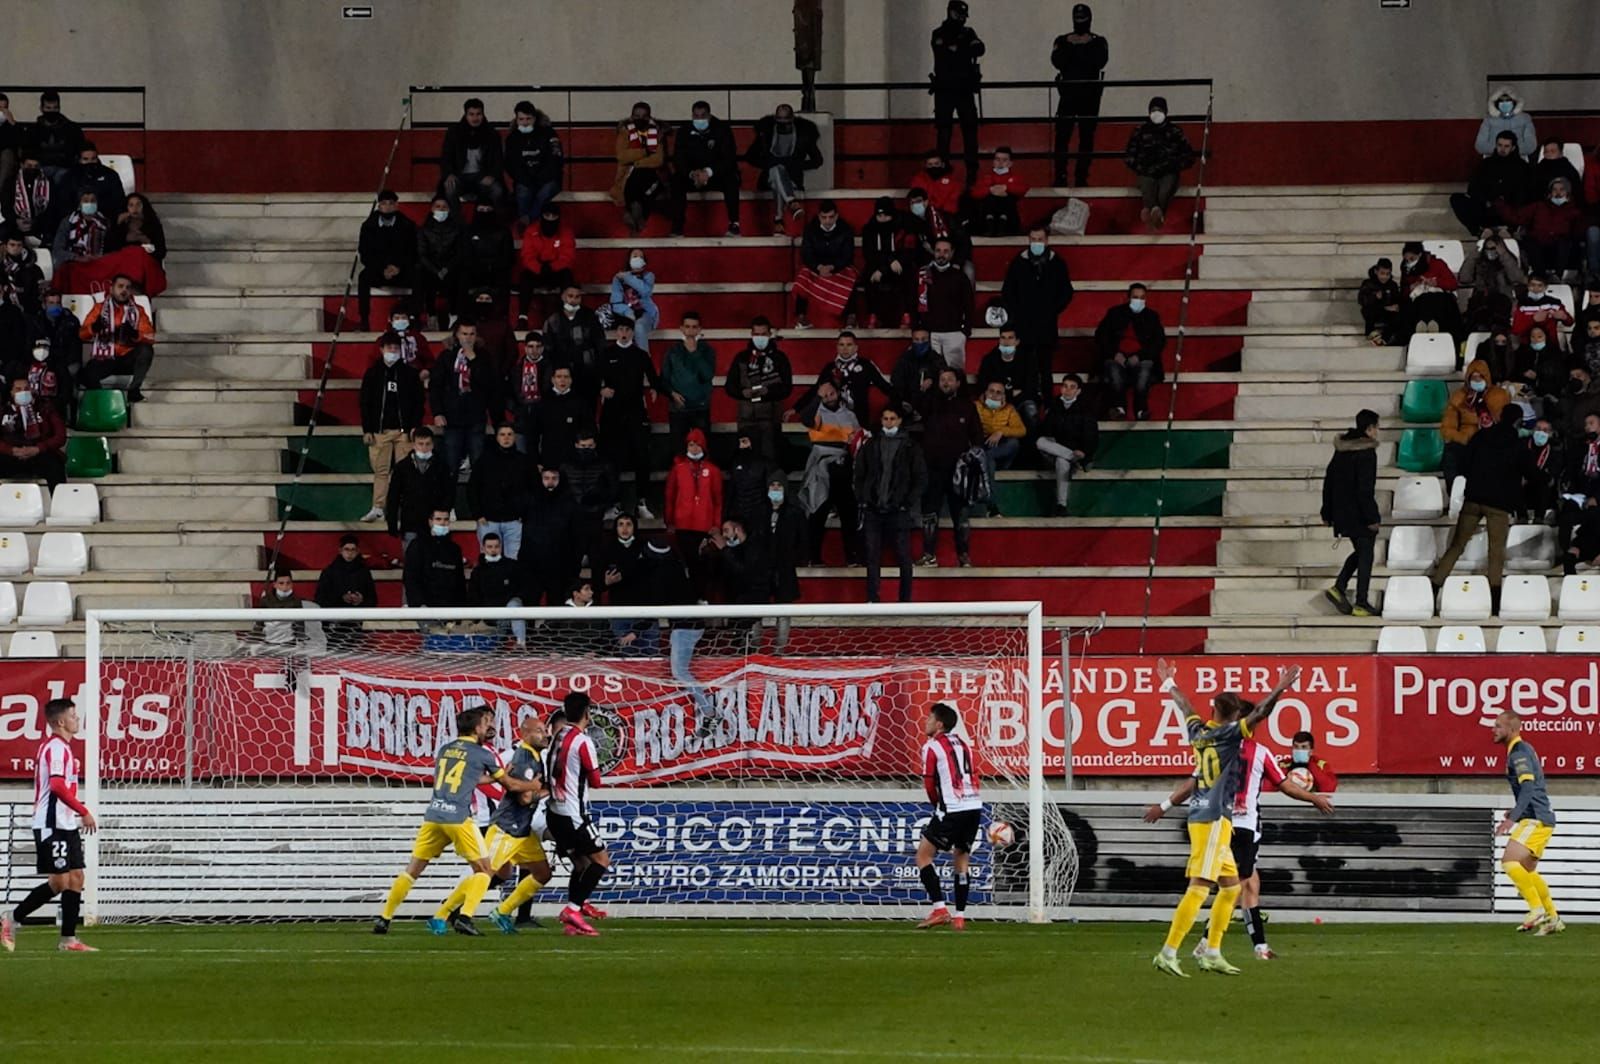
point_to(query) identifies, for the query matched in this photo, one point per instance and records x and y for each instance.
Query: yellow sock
(457, 897)
(397, 894)
(524, 892)
(1524, 881)
(1221, 915)
(1543, 888)
(475, 887)
(1187, 912)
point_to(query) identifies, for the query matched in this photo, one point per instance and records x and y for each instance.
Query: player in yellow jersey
(1529, 823)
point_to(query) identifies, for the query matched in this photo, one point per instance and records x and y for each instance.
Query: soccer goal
(259, 765)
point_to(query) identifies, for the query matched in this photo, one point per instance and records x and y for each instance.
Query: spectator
(1037, 291)
(1429, 287)
(1080, 59)
(91, 175)
(999, 204)
(80, 238)
(1158, 153)
(704, 158)
(1493, 465)
(953, 429)
(1541, 365)
(1003, 433)
(1130, 340)
(890, 478)
(592, 482)
(745, 491)
(619, 565)
(1581, 397)
(1591, 234)
(557, 420)
(139, 226)
(945, 305)
(1494, 275)
(59, 327)
(628, 379)
(955, 77)
(48, 378)
(498, 491)
(53, 139)
(555, 540)
(463, 392)
(693, 504)
(759, 380)
(667, 578)
(472, 160)
(1549, 164)
(526, 387)
(1541, 474)
(827, 484)
(939, 185)
(415, 349)
(888, 267)
(574, 338)
(855, 377)
(784, 530)
(1552, 229)
(388, 250)
(418, 485)
(916, 374)
(497, 340)
(496, 582)
(1069, 437)
(828, 273)
(1350, 506)
(33, 439)
(346, 584)
(391, 410)
(783, 149)
(534, 159)
(1578, 517)
(1538, 307)
(1008, 366)
(1505, 116)
(441, 242)
(1499, 353)
(1591, 309)
(641, 154)
(1586, 346)
(121, 338)
(21, 280)
(30, 202)
(583, 637)
(279, 594)
(548, 253)
(688, 372)
(10, 143)
(1502, 175)
(633, 297)
(435, 571)
(741, 568)
(1475, 405)
(485, 261)
(1379, 297)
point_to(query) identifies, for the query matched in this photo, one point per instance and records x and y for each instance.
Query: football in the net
(1301, 776)
(1000, 834)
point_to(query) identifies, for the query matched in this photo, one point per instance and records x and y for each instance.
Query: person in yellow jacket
(1003, 432)
(641, 162)
(1475, 405)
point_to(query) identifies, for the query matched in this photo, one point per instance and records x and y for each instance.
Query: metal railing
(1540, 111)
(110, 114)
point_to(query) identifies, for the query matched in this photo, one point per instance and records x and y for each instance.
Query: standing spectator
(435, 572)
(946, 305)
(628, 379)
(1494, 275)
(1069, 437)
(688, 372)
(30, 201)
(1502, 175)
(704, 158)
(418, 485)
(33, 439)
(1493, 466)
(391, 410)
(1013, 369)
(759, 380)
(1130, 340)
(1505, 116)
(855, 377)
(534, 158)
(693, 504)
(955, 77)
(1037, 291)
(10, 143)
(485, 262)
(1000, 199)
(1080, 59)
(472, 159)
(1538, 307)
(1003, 433)
(953, 428)
(1579, 509)
(938, 182)
(346, 584)
(592, 482)
(574, 338)
(784, 147)
(497, 341)
(138, 225)
(741, 568)
(619, 563)
(1552, 229)
(1476, 405)
(89, 174)
(121, 340)
(1350, 507)
(1157, 153)
(633, 297)
(784, 529)
(916, 374)
(388, 250)
(1541, 474)
(1379, 297)
(554, 540)
(1429, 287)
(559, 418)
(497, 582)
(827, 482)
(548, 253)
(498, 491)
(745, 493)
(463, 392)
(828, 273)
(53, 139)
(440, 245)
(888, 267)
(890, 479)
(641, 153)
(527, 386)
(415, 349)
(668, 583)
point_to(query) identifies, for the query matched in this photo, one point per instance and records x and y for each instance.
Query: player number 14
(451, 775)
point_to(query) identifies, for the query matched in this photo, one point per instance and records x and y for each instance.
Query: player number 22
(452, 775)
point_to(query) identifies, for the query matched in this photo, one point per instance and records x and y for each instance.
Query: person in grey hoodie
(1506, 114)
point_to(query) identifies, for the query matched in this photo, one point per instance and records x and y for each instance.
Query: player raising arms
(571, 768)
(951, 779)
(59, 823)
(1215, 744)
(1530, 823)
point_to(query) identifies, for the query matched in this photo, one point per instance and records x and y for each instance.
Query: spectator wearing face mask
(81, 237)
(782, 150)
(888, 252)
(1505, 116)
(441, 243)
(1350, 508)
(827, 273)
(435, 571)
(558, 418)
(498, 490)
(688, 371)
(121, 340)
(1500, 353)
(388, 249)
(1303, 755)
(946, 305)
(472, 158)
(1502, 175)
(1475, 405)
(1003, 433)
(783, 526)
(1579, 399)
(1131, 339)
(1430, 289)
(1578, 518)
(1552, 228)
(496, 582)
(633, 292)
(1549, 163)
(827, 483)
(30, 202)
(1540, 364)
(1542, 474)
(618, 565)
(927, 225)
(855, 377)
(999, 197)
(891, 478)
(738, 565)
(939, 185)
(486, 256)
(693, 504)
(418, 485)
(1069, 437)
(1493, 464)
(33, 439)
(553, 541)
(55, 323)
(1537, 306)
(592, 480)
(704, 159)
(628, 380)
(760, 380)
(1080, 59)
(916, 375)
(89, 174)
(1013, 369)
(1586, 345)
(953, 428)
(745, 494)
(391, 410)
(54, 139)
(641, 151)
(534, 159)
(279, 594)
(1494, 275)
(1380, 301)
(574, 338)
(463, 392)
(1157, 153)
(346, 584)
(47, 377)
(548, 253)
(21, 280)
(1037, 291)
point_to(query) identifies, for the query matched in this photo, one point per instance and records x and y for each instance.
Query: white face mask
(636, 263)
(1001, 171)
(891, 430)
(41, 354)
(391, 357)
(524, 127)
(400, 325)
(282, 594)
(441, 216)
(23, 398)
(570, 308)
(1158, 117)
(439, 531)
(696, 454)
(492, 558)
(760, 342)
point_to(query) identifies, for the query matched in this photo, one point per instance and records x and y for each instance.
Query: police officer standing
(956, 50)
(1079, 57)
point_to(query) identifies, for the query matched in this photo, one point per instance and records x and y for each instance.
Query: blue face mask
(439, 530)
(1537, 345)
(919, 209)
(89, 210)
(1541, 437)
(1136, 305)
(1506, 107)
(1036, 248)
(55, 311)
(921, 347)
(702, 124)
(1300, 757)
(775, 495)
(1479, 386)
(1558, 200)
(1008, 349)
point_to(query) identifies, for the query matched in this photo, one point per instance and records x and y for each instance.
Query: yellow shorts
(1532, 834)
(433, 839)
(1211, 851)
(509, 850)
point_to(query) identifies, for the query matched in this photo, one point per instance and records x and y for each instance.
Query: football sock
(1184, 916)
(930, 883)
(575, 887)
(36, 899)
(1543, 888)
(1524, 882)
(397, 894)
(455, 899)
(70, 900)
(1221, 915)
(476, 887)
(963, 887)
(592, 876)
(1255, 925)
(523, 895)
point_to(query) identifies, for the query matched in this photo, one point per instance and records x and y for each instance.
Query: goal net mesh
(278, 771)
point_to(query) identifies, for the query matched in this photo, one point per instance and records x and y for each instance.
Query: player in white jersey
(950, 776)
(60, 821)
(571, 768)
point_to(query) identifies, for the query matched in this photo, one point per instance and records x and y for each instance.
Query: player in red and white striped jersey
(59, 822)
(571, 768)
(950, 775)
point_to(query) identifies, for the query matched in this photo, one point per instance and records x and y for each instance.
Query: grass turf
(813, 991)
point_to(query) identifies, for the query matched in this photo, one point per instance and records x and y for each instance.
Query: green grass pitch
(803, 991)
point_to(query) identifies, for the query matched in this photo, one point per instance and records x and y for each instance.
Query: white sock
(1169, 953)
(938, 906)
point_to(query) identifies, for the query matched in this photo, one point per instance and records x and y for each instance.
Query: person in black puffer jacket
(1157, 153)
(952, 429)
(1380, 301)
(472, 159)
(745, 493)
(534, 158)
(435, 571)
(553, 544)
(439, 248)
(1493, 466)
(593, 483)
(1350, 506)
(502, 479)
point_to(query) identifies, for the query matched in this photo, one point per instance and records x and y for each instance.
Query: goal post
(271, 764)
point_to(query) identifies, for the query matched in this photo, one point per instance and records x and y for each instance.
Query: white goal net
(274, 765)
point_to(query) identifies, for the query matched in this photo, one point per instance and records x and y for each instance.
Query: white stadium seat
(1521, 639)
(74, 504)
(21, 505)
(1458, 498)
(1402, 639)
(62, 554)
(1413, 548)
(123, 165)
(33, 645)
(1431, 355)
(79, 303)
(1461, 639)
(1578, 639)
(1475, 558)
(1580, 598)
(1522, 598)
(1448, 252)
(1473, 340)
(1563, 292)
(13, 554)
(1531, 548)
(47, 263)
(1574, 155)
(1408, 598)
(47, 602)
(1465, 598)
(1418, 499)
(8, 602)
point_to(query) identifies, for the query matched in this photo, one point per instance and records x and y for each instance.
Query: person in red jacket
(1429, 287)
(694, 503)
(548, 252)
(1552, 228)
(1536, 306)
(942, 189)
(999, 197)
(33, 438)
(1305, 768)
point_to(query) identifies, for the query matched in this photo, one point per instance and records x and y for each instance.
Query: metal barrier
(118, 107)
(1591, 78)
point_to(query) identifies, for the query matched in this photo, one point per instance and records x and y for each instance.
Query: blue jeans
(647, 638)
(1140, 377)
(519, 629)
(1001, 455)
(460, 443)
(510, 533)
(683, 642)
(532, 198)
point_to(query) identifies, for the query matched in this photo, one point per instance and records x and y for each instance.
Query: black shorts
(954, 831)
(573, 838)
(60, 853)
(1246, 844)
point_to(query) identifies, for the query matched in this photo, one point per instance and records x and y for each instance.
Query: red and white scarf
(530, 381)
(31, 199)
(42, 380)
(408, 348)
(86, 235)
(647, 139)
(463, 372)
(1591, 460)
(11, 279)
(112, 315)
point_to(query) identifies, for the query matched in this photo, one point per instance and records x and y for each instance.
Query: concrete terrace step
(1339, 258)
(1401, 212)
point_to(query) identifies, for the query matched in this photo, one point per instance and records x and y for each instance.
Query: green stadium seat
(88, 456)
(103, 410)
(1421, 450)
(1424, 401)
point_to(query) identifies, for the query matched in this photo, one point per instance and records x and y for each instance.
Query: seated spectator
(22, 283)
(526, 387)
(391, 410)
(855, 377)
(946, 305)
(1580, 399)
(138, 225)
(927, 225)
(574, 338)
(939, 185)
(704, 158)
(784, 147)
(1010, 367)
(1130, 340)
(1475, 405)
(1494, 275)
(48, 378)
(30, 202)
(592, 481)
(1379, 297)
(891, 479)
(485, 261)
(1350, 507)
(784, 530)
(346, 584)
(1037, 291)
(80, 238)
(1538, 307)
(1502, 175)
(759, 380)
(548, 254)
(1549, 164)
(440, 245)
(462, 393)
(33, 439)
(279, 594)
(999, 197)
(92, 175)
(388, 250)
(1553, 229)
(415, 349)
(633, 297)
(641, 156)
(916, 375)
(1157, 153)
(952, 430)
(418, 485)
(1500, 353)
(1541, 364)
(54, 139)
(1586, 346)
(1505, 116)
(1578, 517)
(688, 372)
(1591, 309)
(10, 143)
(1069, 437)
(628, 383)
(745, 488)
(121, 340)
(553, 539)
(57, 326)
(534, 160)
(435, 571)
(1541, 474)
(888, 267)
(694, 505)
(1430, 290)
(1493, 465)
(828, 481)
(498, 490)
(496, 583)
(472, 159)
(827, 273)
(1003, 433)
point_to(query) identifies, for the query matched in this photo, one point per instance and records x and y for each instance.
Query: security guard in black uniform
(955, 77)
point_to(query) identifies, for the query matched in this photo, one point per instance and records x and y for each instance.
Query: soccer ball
(1000, 834)
(1301, 776)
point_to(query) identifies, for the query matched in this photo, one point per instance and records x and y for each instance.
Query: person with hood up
(1505, 116)
(1475, 405)
(553, 544)
(1350, 507)
(888, 266)
(1494, 275)
(1379, 297)
(1552, 228)
(472, 159)
(1500, 175)
(1430, 290)
(1157, 153)
(486, 256)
